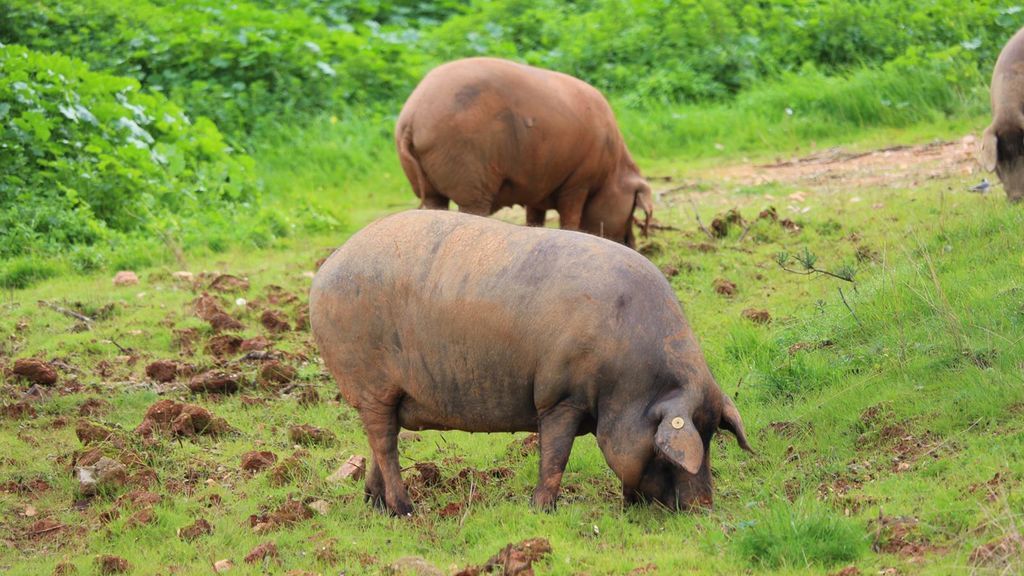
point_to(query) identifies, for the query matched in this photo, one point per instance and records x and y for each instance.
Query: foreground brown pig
(438, 320)
(489, 133)
(1002, 143)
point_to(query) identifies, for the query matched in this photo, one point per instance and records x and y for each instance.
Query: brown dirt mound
(35, 371)
(93, 407)
(275, 321)
(1001, 552)
(275, 372)
(112, 565)
(302, 317)
(229, 283)
(724, 287)
(257, 461)
(514, 559)
(216, 382)
(162, 370)
(180, 419)
(223, 345)
(289, 468)
(195, 530)
(92, 433)
(17, 411)
(307, 435)
(253, 344)
(757, 316)
(261, 552)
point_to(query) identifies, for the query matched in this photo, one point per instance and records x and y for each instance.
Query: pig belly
(490, 409)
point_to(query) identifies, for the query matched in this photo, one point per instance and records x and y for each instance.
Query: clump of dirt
(224, 322)
(307, 435)
(44, 528)
(278, 296)
(514, 559)
(185, 340)
(112, 565)
(261, 553)
(258, 461)
(670, 271)
(786, 429)
(992, 488)
(999, 553)
(450, 510)
(274, 373)
(528, 445)
(354, 468)
(848, 571)
(216, 382)
(93, 407)
(195, 530)
(229, 283)
(32, 487)
(64, 569)
(141, 518)
(757, 315)
(17, 411)
(724, 287)
(223, 345)
(899, 535)
(275, 321)
(302, 317)
(289, 468)
(35, 371)
(162, 370)
(720, 224)
(254, 344)
(179, 419)
(92, 433)
(290, 513)
(308, 396)
(208, 308)
(428, 475)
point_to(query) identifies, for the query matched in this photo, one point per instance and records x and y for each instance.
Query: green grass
(904, 412)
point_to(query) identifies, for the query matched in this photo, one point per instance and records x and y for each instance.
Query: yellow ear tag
(678, 423)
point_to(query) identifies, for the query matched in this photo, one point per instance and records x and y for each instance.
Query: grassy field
(888, 418)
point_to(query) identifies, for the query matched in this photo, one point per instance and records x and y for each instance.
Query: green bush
(87, 154)
(236, 63)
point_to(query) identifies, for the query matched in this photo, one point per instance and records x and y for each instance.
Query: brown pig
(489, 133)
(440, 320)
(1002, 143)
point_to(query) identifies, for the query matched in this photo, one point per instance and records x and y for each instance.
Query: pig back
(472, 323)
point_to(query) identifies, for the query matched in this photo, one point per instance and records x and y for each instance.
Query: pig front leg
(557, 429)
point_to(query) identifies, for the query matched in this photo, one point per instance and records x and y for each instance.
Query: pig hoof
(544, 502)
(401, 509)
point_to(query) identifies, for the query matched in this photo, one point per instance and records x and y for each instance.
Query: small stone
(222, 566)
(106, 474)
(413, 566)
(183, 276)
(125, 278)
(354, 468)
(321, 507)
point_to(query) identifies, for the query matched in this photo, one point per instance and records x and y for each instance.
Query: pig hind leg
(1010, 165)
(374, 492)
(381, 423)
(557, 429)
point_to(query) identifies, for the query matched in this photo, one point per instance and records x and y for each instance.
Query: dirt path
(839, 169)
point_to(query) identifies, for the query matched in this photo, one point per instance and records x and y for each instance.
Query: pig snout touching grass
(440, 320)
(1002, 143)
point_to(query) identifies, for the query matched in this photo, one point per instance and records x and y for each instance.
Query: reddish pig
(440, 320)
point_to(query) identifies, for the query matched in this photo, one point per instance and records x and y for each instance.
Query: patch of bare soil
(893, 167)
(195, 530)
(216, 382)
(35, 371)
(900, 535)
(229, 283)
(513, 560)
(275, 321)
(257, 461)
(1000, 553)
(261, 553)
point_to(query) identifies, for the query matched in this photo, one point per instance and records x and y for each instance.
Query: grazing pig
(439, 320)
(489, 133)
(1002, 143)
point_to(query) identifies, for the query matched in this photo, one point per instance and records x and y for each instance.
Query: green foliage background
(128, 124)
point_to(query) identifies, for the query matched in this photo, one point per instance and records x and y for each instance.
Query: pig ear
(732, 422)
(988, 150)
(645, 202)
(679, 441)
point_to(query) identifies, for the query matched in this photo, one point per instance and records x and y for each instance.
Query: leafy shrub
(87, 154)
(23, 272)
(235, 63)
